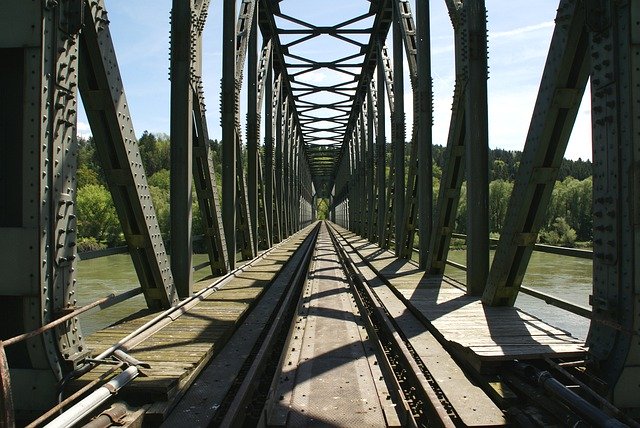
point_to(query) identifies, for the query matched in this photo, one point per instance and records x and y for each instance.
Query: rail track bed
(484, 336)
(329, 330)
(188, 338)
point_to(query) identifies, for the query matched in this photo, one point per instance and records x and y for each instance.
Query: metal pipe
(109, 417)
(544, 248)
(73, 397)
(84, 407)
(101, 302)
(7, 418)
(603, 402)
(174, 312)
(568, 397)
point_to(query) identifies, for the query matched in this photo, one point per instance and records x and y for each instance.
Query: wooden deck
(178, 352)
(483, 335)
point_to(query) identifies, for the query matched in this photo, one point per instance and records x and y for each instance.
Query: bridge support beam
(563, 83)
(424, 122)
(181, 145)
(615, 91)
(399, 131)
(229, 137)
(477, 134)
(381, 143)
(39, 61)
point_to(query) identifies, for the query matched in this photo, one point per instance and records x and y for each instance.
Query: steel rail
(168, 316)
(235, 413)
(422, 387)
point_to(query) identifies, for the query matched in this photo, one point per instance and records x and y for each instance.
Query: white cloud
(84, 130)
(521, 30)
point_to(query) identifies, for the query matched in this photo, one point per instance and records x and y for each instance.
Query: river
(564, 277)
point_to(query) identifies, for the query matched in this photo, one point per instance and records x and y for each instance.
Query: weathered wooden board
(479, 333)
(180, 350)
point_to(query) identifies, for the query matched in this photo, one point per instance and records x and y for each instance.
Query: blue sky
(519, 35)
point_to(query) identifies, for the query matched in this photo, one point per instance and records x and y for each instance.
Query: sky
(519, 36)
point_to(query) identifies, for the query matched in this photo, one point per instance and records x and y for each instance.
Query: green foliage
(322, 209)
(87, 176)
(89, 243)
(154, 153)
(499, 194)
(560, 233)
(572, 200)
(160, 198)
(97, 216)
(161, 180)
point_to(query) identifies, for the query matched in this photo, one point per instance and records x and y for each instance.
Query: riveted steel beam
(108, 113)
(615, 96)
(190, 149)
(453, 170)
(563, 83)
(477, 146)
(183, 53)
(39, 54)
(424, 119)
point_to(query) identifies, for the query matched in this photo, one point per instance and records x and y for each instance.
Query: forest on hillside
(568, 218)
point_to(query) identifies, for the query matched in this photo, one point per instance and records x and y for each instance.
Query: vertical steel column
(355, 195)
(615, 100)
(286, 143)
(364, 217)
(229, 142)
(252, 130)
(38, 160)
(398, 127)
(371, 203)
(181, 130)
(477, 134)
(381, 142)
(280, 123)
(424, 121)
(268, 147)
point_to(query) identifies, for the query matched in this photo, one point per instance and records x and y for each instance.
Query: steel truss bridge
(52, 51)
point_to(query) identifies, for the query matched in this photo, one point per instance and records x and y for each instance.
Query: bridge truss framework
(52, 50)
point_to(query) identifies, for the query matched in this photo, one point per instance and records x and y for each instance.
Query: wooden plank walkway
(483, 335)
(179, 351)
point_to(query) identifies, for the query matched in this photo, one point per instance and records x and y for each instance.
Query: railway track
(338, 358)
(331, 343)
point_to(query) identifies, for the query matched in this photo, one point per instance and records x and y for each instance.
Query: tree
(560, 233)
(499, 194)
(97, 216)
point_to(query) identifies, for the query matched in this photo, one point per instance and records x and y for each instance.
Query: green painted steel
(563, 83)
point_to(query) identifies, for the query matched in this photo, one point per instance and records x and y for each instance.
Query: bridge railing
(547, 298)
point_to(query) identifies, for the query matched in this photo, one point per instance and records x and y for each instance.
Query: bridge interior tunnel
(324, 115)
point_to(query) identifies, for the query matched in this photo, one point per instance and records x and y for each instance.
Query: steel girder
(615, 99)
(39, 57)
(190, 153)
(563, 83)
(453, 170)
(108, 113)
